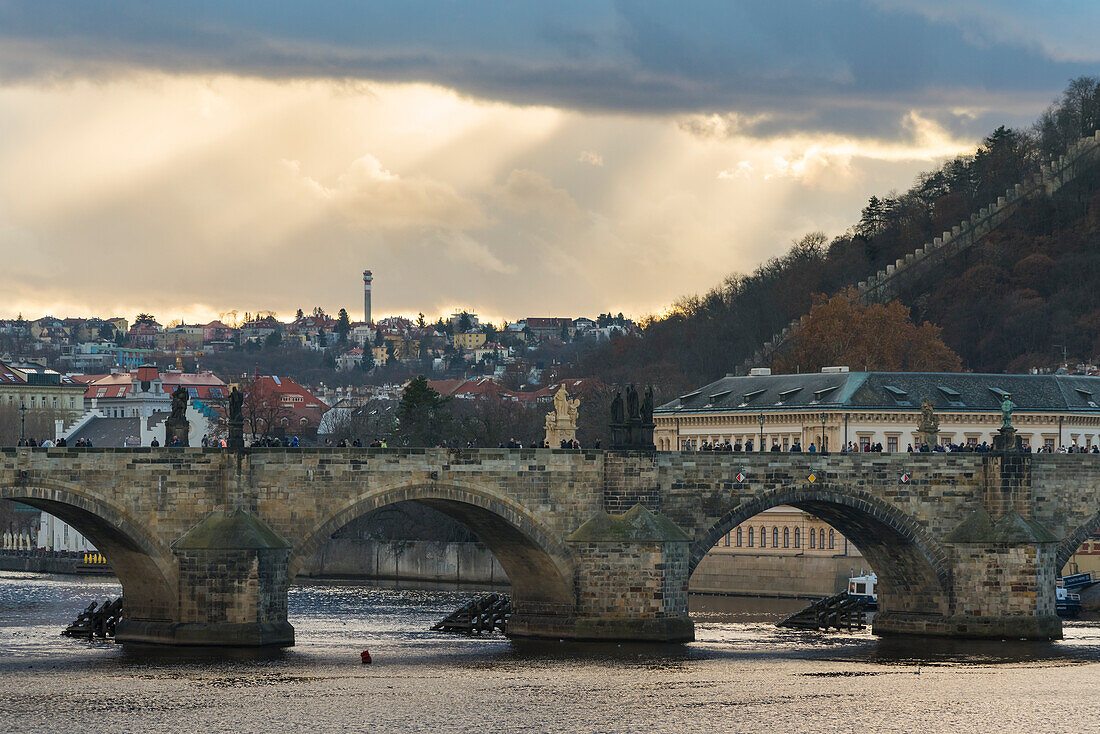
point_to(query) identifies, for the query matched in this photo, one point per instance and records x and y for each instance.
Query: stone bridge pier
(598, 545)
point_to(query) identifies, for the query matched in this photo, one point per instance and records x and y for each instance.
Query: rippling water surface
(742, 674)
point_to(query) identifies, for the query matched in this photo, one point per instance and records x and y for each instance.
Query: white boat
(865, 585)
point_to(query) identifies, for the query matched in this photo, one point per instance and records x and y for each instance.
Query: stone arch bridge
(597, 544)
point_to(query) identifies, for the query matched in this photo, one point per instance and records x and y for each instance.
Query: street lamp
(823, 416)
(761, 419)
(23, 421)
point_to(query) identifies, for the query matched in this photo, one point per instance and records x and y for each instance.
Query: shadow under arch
(539, 566)
(913, 568)
(143, 566)
(1072, 542)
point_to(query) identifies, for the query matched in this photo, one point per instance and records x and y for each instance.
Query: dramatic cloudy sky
(567, 158)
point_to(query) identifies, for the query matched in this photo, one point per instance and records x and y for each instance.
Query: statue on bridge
(236, 419)
(1006, 412)
(177, 427)
(929, 426)
(632, 428)
(1006, 438)
(561, 424)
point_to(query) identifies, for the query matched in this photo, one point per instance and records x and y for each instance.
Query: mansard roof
(950, 391)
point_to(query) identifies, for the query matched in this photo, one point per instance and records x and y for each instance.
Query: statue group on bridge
(632, 423)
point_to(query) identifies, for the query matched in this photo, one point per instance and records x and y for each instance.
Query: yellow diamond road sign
(812, 478)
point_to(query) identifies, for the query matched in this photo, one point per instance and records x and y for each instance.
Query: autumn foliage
(843, 331)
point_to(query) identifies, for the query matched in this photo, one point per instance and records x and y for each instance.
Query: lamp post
(823, 416)
(23, 421)
(761, 419)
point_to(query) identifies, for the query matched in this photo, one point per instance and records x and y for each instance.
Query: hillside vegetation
(1004, 305)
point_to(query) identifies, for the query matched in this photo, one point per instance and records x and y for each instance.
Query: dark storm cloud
(812, 64)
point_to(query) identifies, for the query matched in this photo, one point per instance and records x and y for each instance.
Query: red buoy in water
(365, 655)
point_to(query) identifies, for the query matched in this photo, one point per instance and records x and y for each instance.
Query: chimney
(366, 295)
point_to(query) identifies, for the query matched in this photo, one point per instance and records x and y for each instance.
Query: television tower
(367, 278)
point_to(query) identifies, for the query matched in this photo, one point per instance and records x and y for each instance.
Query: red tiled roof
(547, 322)
(118, 385)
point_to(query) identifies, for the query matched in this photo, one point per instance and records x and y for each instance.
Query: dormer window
(749, 396)
(1001, 394)
(783, 395)
(901, 397)
(819, 394)
(719, 395)
(954, 397)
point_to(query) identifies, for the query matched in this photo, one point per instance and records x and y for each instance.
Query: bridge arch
(143, 565)
(538, 564)
(1069, 545)
(913, 567)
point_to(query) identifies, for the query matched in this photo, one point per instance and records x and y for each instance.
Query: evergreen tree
(343, 326)
(422, 415)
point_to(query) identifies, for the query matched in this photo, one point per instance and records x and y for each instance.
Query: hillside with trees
(1012, 302)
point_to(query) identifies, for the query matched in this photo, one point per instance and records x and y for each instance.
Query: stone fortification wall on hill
(887, 284)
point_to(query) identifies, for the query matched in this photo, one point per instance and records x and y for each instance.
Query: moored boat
(864, 586)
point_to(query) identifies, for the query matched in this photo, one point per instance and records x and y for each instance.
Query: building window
(763, 537)
(739, 537)
(797, 537)
(832, 539)
(786, 537)
(750, 537)
(775, 537)
(813, 538)
(865, 443)
(892, 444)
(72, 402)
(727, 540)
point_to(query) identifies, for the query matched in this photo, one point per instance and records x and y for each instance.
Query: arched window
(775, 536)
(727, 540)
(786, 537)
(750, 537)
(813, 538)
(763, 537)
(739, 537)
(831, 539)
(797, 537)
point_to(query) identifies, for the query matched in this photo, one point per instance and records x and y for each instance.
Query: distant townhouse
(40, 389)
(490, 350)
(350, 360)
(217, 332)
(259, 329)
(279, 406)
(180, 338)
(469, 340)
(144, 334)
(549, 327)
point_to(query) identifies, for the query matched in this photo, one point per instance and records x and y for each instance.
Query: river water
(742, 674)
